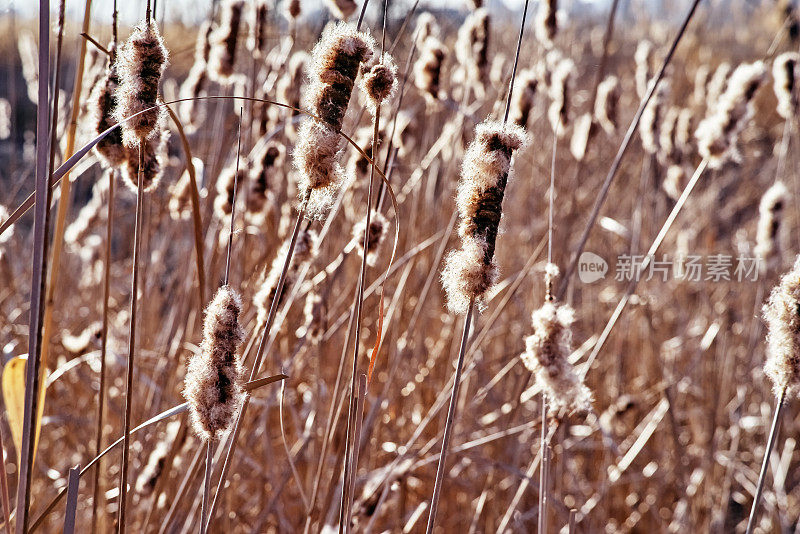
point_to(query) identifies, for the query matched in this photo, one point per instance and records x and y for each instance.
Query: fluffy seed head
(607, 103)
(426, 27)
(379, 82)
(546, 23)
(580, 136)
(293, 9)
(341, 9)
(784, 73)
(153, 156)
(228, 182)
(667, 143)
(258, 37)
(472, 46)
(524, 97)
(643, 57)
(213, 384)
(782, 315)
(560, 82)
(315, 311)
(140, 64)
(717, 85)
(224, 43)
(103, 102)
(264, 166)
(718, 133)
(428, 68)
(470, 272)
(770, 215)
(547, 353)
(378, 226)
(674, 181)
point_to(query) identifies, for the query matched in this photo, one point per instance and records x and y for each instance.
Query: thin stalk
(137, 237)
(359, 416)
(101, 399)
(615, 165)
(773, 435)
(542, 520)
(206, 486)
(39, 274)
(451, 415)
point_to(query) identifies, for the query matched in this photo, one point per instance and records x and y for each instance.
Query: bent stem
(451, 415)
(773, 434)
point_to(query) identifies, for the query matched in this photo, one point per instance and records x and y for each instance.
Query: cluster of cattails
(224, 43)
(559, 88)
(547, 22)
(341, 9)
(770, 215)
(547, 352)
(524, 97)
(265, 165)
(213, 384)
(472, 48)
(141, 63)
(305, 251)
(334, 66)
(195, 84)
(782, 315)
(717, 134)
(784, 73)
(378, 227)
(606, 104)
(471, 271)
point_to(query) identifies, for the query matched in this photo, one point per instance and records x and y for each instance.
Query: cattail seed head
(428, 68)
(153, 156)
(140, 65)
(265, 164)
(674, 181)
(378, 226)
(470, 271)
(683, 131)
(472, 46)
(333, 69)
(717, 135)
(213, 384)
(701, 79)
(546, 23)
(224, 43)
(580, 136)
(379, 82)
(784, 73)
(258, 36)
(650, 123)
(293, 9)
(228, 182)
(717, 85)
(667, 144)
(341, 9)
(607, 103)
(643, 57)
(560, 83)
(314, 311)
(426, 27)
(547, 353)
(524, 97)
(103, 102)
(782, 315)
(770, 216)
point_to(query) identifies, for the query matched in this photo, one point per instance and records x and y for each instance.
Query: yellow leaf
(14, 397)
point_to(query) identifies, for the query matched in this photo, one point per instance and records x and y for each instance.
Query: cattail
(28, 55)
(229, 181)
(265, 164)
(717, 85)
(607, 103)
(179, 205)
(770, 215)
(377, 232)
(643, 57)
(289, 90)
(782, 315)
(80, 343)
(428, 68)
(154, 157)
(426, 27)
(718, 133)
(789, 18)
(359, 166)
(673, 181)
(580, 136)
(560, 82)
(213, 384)
(89, 214)
(651, 120)
(195, 84)
(784, 72)
(683, 131)
(341, 9)
(5, 119)
(334, 66)
(314, 311)
(471, 271)
(701, 80)
(524, 97)
(379, 82)
(258, 36)
(154, 468)
(667, 144)
(546, 23)
(140, 65)
(103, 102)
(472, 47)
(546, 355)
(202, 47)
(293, 9)
(305, 251)
(225, 40)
